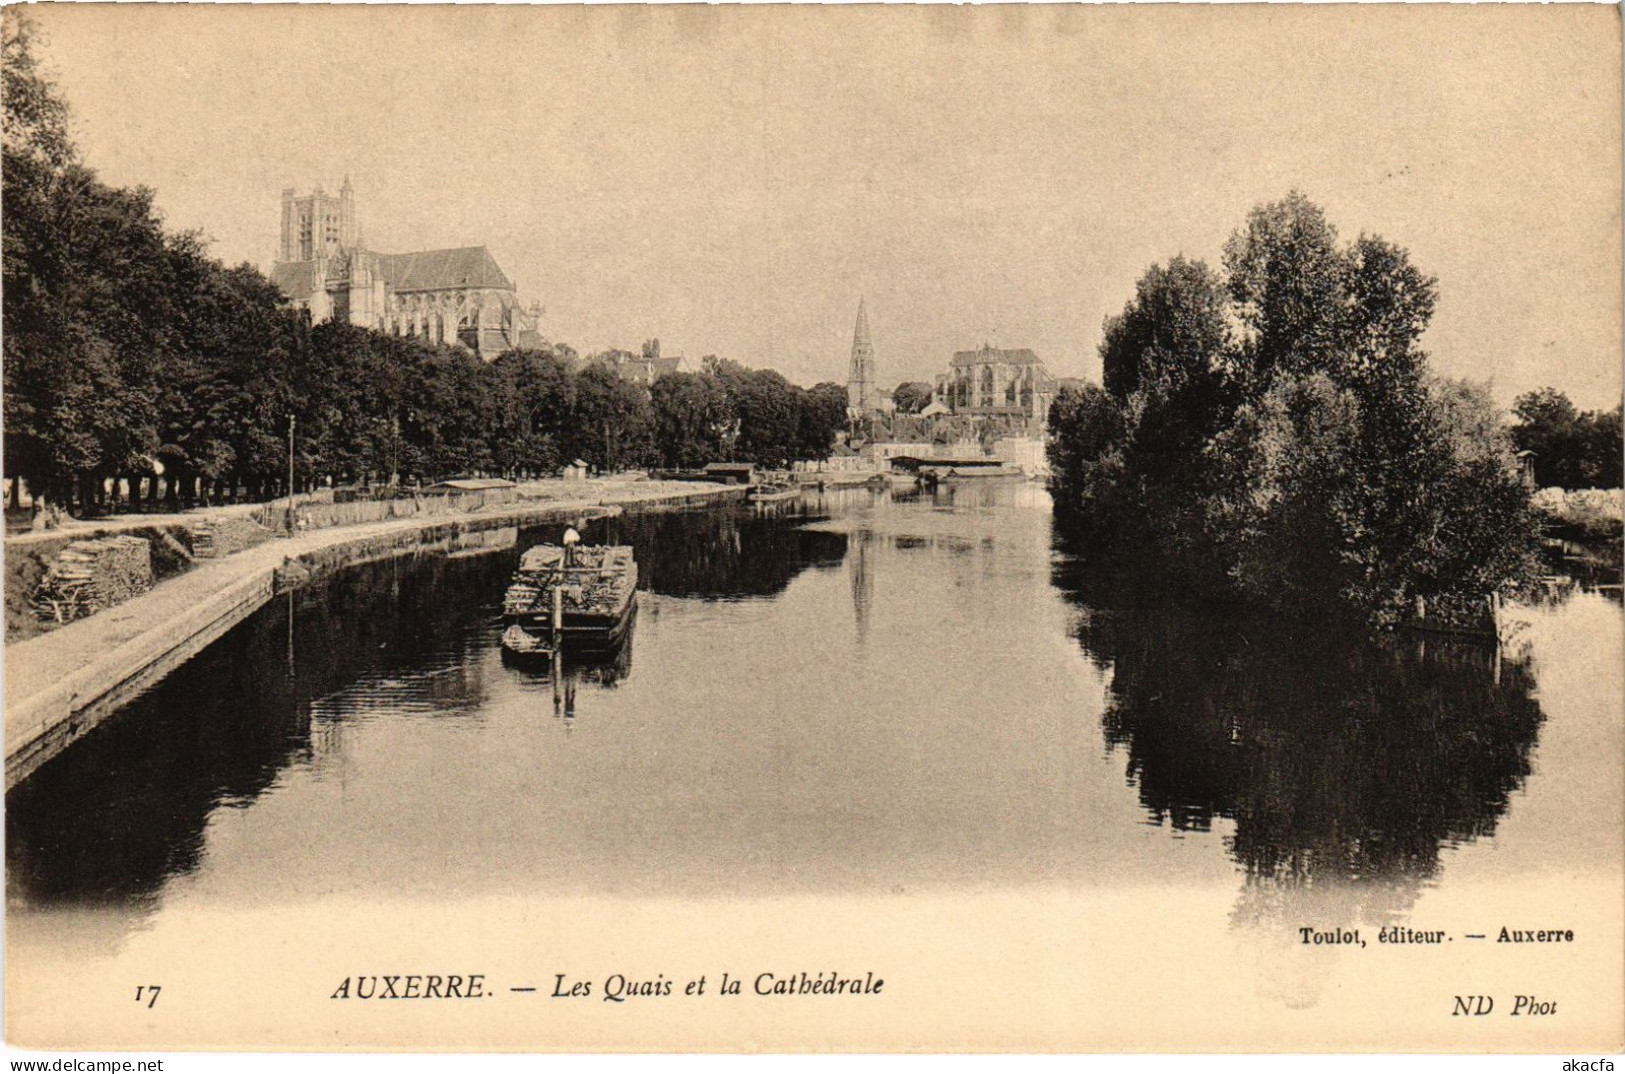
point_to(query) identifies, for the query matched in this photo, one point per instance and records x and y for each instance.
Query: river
(864, 729)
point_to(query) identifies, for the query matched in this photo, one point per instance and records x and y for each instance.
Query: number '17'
(147, 992)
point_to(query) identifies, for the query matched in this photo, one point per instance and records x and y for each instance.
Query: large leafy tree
(1173, 329)
(534, 397)
(1604, 450)
(114, 329)
(823, 415)
(1571, 449)
(692, 419)
(226, 390)
(613, 423)
(35, 115)
(912, 396)
(1285, 275)
(766, 411)
(1275, 434)
(90, 293)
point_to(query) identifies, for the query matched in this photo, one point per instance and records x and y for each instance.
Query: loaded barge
(577, 599)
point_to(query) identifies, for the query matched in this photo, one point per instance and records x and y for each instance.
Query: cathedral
(459, 296)
(993, 383)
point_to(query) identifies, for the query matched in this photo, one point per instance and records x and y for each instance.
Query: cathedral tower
(317, 225)
(860, 377)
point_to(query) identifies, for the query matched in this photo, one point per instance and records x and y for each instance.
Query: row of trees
(130, 354)
(1270, 431)
(1572, 449)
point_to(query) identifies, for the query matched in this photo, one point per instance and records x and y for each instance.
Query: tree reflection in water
(1340, 758)
(1345, 764)
(109, 821)
(721, 553)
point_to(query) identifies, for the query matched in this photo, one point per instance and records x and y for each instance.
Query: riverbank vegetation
(1269, 432)
(1568, 448)
(1582, 514)
(134, 360)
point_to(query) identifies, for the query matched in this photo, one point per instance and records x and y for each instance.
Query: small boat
(591, 588)
(771, 493)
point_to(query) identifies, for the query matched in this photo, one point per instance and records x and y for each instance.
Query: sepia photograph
(813, 528)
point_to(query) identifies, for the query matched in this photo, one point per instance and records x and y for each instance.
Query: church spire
(860, 378)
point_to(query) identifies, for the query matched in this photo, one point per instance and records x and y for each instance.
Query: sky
(732, 180)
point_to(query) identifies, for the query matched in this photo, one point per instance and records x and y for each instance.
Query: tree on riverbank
(1572, 450)
(135, 362)
(1272, 433)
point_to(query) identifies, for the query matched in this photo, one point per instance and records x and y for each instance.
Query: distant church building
(645, 368)
(861, 390)
(457, 296)
(997, 383)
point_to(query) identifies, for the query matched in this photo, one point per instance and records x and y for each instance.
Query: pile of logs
(91, 575)
(223, 536)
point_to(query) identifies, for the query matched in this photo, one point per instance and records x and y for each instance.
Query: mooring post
(558, 614)
(291, 672)
(558, 644)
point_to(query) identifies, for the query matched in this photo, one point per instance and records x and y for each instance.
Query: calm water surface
(859, 694)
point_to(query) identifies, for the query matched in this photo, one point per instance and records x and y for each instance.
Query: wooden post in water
(558, 615)
(558, 644)
(290, 635)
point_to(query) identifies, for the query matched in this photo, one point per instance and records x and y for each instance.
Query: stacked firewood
(602, 592)
(219, 537)
(91, 575)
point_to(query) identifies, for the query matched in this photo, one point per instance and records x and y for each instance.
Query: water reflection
(922, 719)
(563, 674)
(1342, 763)
(726, 553)
(126, 809)
(112, 818)
(863, 583)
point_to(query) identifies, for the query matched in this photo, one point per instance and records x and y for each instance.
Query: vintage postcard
(813, 528)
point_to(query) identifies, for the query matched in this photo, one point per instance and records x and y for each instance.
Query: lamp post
(290, 474)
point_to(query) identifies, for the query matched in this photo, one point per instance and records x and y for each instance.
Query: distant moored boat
(771, 493)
